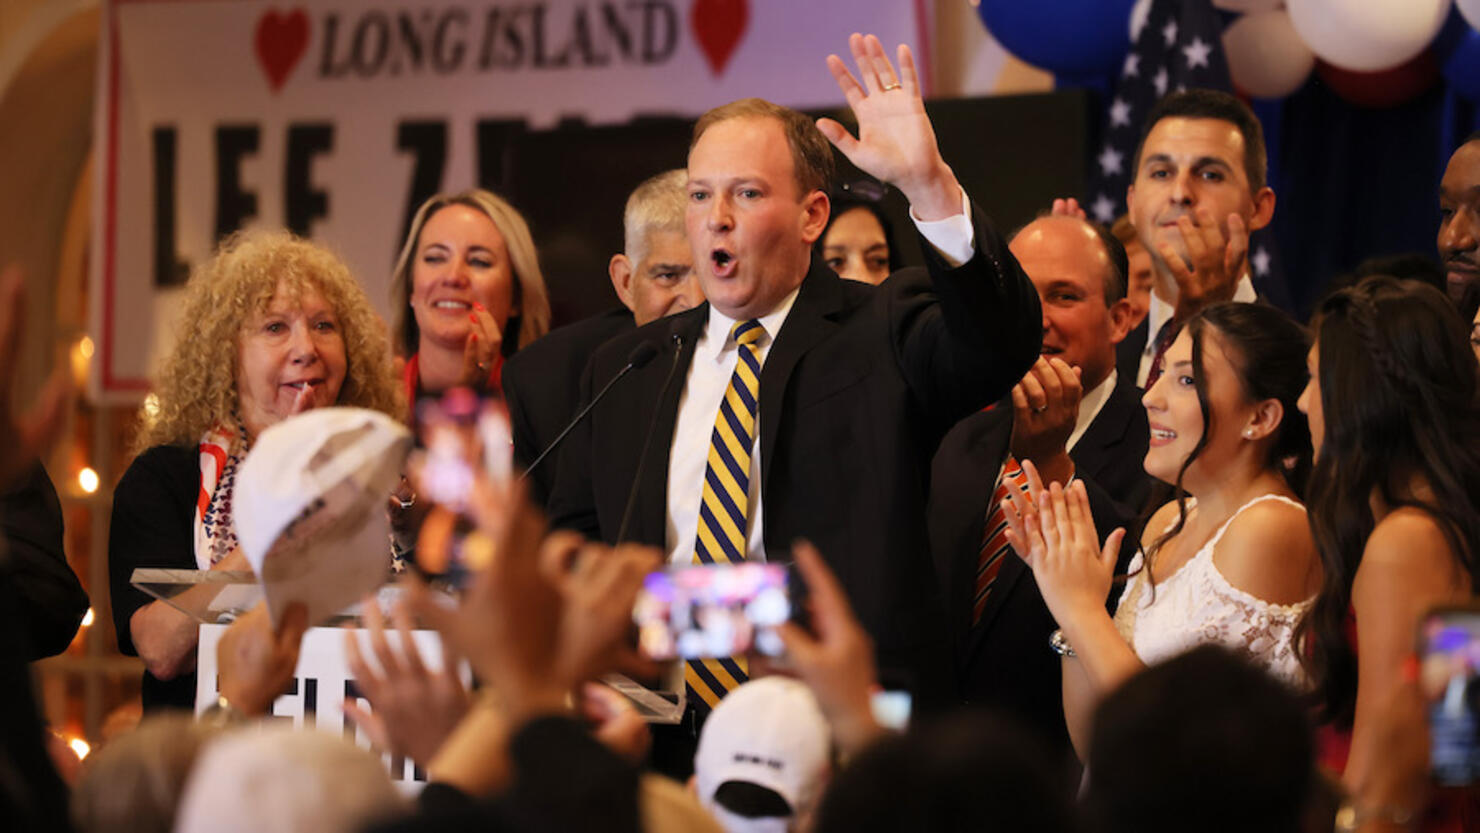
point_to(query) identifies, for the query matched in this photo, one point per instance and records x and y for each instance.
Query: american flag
(1178, 47)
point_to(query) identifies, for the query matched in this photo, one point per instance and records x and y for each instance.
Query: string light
(88, 480)
(87, 618)
(80, 747)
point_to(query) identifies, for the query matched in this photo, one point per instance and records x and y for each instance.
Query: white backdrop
(226, 114)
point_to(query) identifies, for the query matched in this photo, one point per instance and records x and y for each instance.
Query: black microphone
(639, 357)
(647, 441)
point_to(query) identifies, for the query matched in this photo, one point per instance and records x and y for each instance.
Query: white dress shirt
(707, 380)
(1160, 311)
(1090, 405)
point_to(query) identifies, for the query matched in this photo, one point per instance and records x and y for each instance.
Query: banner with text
(327, 116)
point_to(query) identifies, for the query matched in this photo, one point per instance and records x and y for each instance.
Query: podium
(322, 680)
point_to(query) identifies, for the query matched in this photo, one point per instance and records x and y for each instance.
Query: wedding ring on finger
(1038, 409)
(892, 85)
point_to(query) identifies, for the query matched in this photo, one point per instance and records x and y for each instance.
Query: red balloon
(1387, 88)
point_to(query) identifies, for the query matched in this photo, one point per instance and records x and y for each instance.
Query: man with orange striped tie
(794, 404)
(1075, 417)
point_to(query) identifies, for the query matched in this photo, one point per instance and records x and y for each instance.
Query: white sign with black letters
(324, 116)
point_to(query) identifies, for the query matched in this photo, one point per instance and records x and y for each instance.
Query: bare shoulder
(1268, 551)
(1409, 542)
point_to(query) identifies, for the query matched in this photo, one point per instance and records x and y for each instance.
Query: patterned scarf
(221, 452)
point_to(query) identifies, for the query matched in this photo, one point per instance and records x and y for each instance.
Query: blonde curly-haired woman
(272, 325)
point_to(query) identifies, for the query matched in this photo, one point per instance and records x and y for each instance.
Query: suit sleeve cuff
(952, 238)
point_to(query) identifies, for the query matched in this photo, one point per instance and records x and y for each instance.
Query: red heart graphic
(281, 41)
(719, 25)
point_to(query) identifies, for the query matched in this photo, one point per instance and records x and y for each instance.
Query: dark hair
(1212, 104)
(1398, 383)
(1414, 266)
(1267, 350)
(1207, 736)
(811, 153)
(1117, 277)
(844, 201)
(965, 772)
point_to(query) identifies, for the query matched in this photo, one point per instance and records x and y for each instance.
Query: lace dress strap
(1218, 536)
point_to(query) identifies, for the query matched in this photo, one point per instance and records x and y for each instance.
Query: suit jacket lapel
(806, 324)
(1107, 430)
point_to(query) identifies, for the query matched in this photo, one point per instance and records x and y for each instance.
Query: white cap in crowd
(770, 733)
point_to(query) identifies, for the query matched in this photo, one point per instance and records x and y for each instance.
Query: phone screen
(712, 610)
(1451, 659)
(460, 434)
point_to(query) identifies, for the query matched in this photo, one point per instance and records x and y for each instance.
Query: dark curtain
(1354, 183)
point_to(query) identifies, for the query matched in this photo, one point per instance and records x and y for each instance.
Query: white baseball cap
(769, 732)
(310, 507)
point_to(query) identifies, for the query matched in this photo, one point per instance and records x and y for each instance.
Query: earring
(1248, 433)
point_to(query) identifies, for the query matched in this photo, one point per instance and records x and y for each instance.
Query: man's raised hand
(895, 143)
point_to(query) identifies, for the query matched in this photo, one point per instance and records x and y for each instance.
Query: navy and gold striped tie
(726, 503)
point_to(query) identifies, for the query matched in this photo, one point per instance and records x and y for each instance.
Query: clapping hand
(1068, 208)
(1045, 406)
(481, 350)
(896, 142)
(1053, 531)
(1211, 269)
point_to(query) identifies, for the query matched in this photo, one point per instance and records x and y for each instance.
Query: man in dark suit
(654, 277)
(1199, 191)
(856, 383)
(1098, 436)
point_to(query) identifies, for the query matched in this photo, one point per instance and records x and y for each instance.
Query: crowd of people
(1137, 549)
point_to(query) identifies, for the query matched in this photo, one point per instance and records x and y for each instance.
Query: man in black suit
(654, 277)
(1098, 436)
(857, 383)
(1198, 193)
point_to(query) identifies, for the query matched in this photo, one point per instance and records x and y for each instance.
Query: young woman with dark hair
(1229, 559)
(1393, 498)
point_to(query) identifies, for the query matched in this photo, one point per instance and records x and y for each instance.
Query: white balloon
(1266, 56)
(1139, 13)
(1367, 35)
(1470, 9)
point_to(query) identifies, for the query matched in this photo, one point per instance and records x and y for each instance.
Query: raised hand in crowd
(1068, 208)
(255, 663)
(1210, 268)
(1052, 530)
(836, 659)
(896, 142)
(413, 708)
(29, 434)
(1045, 409)
(615, 722)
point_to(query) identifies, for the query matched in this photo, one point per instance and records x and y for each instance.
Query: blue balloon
(1082, 38)
(1462, 67)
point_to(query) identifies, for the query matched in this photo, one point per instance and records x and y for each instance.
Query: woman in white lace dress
(1230, 560)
